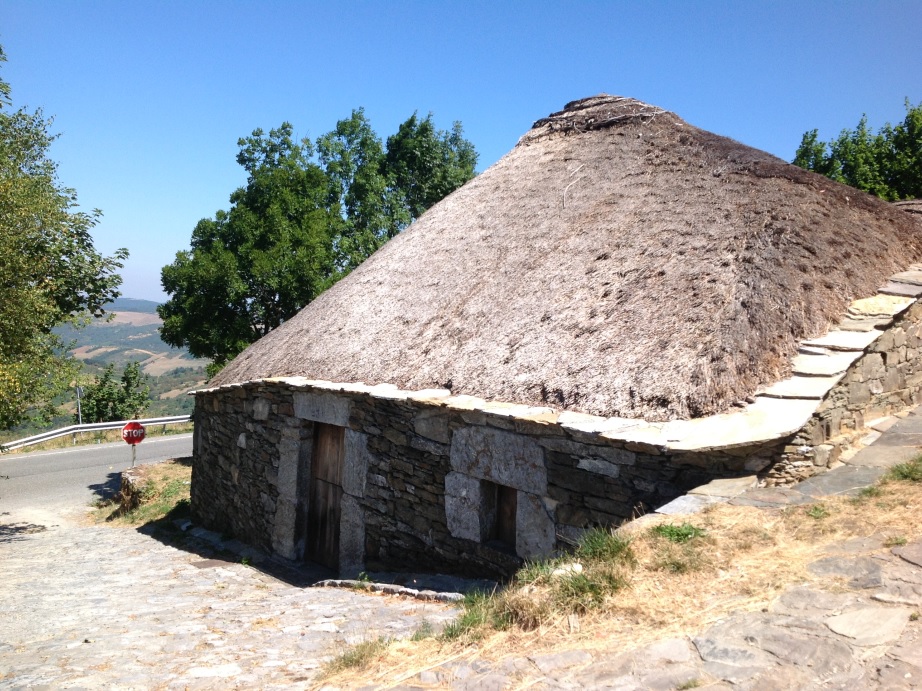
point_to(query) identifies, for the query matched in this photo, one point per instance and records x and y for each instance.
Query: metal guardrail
(95, 427)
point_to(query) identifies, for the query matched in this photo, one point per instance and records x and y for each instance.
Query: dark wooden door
(326, 492)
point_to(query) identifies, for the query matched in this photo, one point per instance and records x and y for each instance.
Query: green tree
(303, 221)
(425, 165)
(887, 163)
(383, 189)
(50, 272)
(253, 267)
(108, 399)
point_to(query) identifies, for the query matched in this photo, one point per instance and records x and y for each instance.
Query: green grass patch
(678, 534)
(818, 512)
(911, 471)
(357, 657)
(601, 544)
(480, 613)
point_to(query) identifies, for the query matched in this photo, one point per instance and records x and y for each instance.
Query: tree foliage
(50, 272)
(887, 163)
(254, 266)
(305, 218)
(109, 400)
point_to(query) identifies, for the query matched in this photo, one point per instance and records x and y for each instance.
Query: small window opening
(499, 508)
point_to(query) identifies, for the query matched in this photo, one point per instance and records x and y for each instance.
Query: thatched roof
(913, 206)
(617, 261)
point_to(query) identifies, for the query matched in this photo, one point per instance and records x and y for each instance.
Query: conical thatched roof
(617, 261)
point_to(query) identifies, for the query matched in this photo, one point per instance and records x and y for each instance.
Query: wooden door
(326, 493)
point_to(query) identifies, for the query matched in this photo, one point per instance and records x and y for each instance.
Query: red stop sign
(133, 433)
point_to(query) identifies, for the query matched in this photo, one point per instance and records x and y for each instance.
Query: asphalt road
(77, 476)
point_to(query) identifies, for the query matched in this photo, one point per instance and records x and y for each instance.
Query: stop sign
(133, 433)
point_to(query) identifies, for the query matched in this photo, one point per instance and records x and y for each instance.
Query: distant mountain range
(132, 335)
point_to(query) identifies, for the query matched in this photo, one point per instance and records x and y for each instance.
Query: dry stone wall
(885, 377)
(416, 469)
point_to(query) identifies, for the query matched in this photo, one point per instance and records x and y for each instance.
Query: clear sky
(151, 97)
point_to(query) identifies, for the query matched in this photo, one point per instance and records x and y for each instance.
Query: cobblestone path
(104, 607)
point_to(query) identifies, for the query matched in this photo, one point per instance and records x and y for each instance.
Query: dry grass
(165, 492)
(744, 559)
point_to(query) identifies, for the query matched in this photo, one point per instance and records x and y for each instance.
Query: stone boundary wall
(418, 464)
(886, 378)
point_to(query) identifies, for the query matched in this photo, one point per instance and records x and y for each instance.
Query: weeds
(357, 657)
(818, 512)
(895, 541)
(601, 544)
(481, 611)
(424, 631)
(678, 533)
(869, 492)
(164, 494)
(911, 471)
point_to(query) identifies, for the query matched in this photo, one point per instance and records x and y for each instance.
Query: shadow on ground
(109, 489)
(216, 550)
(14, 532)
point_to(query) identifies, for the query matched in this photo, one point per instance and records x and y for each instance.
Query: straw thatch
(913, 206)
(617, 261)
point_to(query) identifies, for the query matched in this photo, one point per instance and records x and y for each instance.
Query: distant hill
(133, 305)
(132, 335)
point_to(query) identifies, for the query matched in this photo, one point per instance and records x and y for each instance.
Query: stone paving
(105, 607)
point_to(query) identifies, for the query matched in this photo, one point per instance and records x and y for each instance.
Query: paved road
(73, 477)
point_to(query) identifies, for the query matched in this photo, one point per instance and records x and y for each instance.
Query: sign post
(133, 433)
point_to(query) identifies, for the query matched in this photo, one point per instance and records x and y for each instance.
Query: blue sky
(150, 97)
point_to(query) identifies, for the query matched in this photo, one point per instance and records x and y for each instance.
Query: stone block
(351, 538)
(824, 365)
(355, 463)
(259, 408)
(859, 393)
(802, 387)
(599, 466)
(463, 504)
(845, 340)
(879, 306)
(612, 454)
(283, 529)
(289, 453)
(432, 424)
(327, 408)
(501, 457)
(534, 527)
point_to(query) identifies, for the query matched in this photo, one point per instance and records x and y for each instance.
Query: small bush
(580, 592)
(911, 471)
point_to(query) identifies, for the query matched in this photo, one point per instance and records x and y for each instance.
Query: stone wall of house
(884, 380)
(417, 474)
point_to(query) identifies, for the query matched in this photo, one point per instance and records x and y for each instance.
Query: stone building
(622, 308)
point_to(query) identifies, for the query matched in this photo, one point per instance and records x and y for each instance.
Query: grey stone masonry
(414, 474)
(885, 378)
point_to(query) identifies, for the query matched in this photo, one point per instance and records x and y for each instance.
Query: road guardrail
(94, 427)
